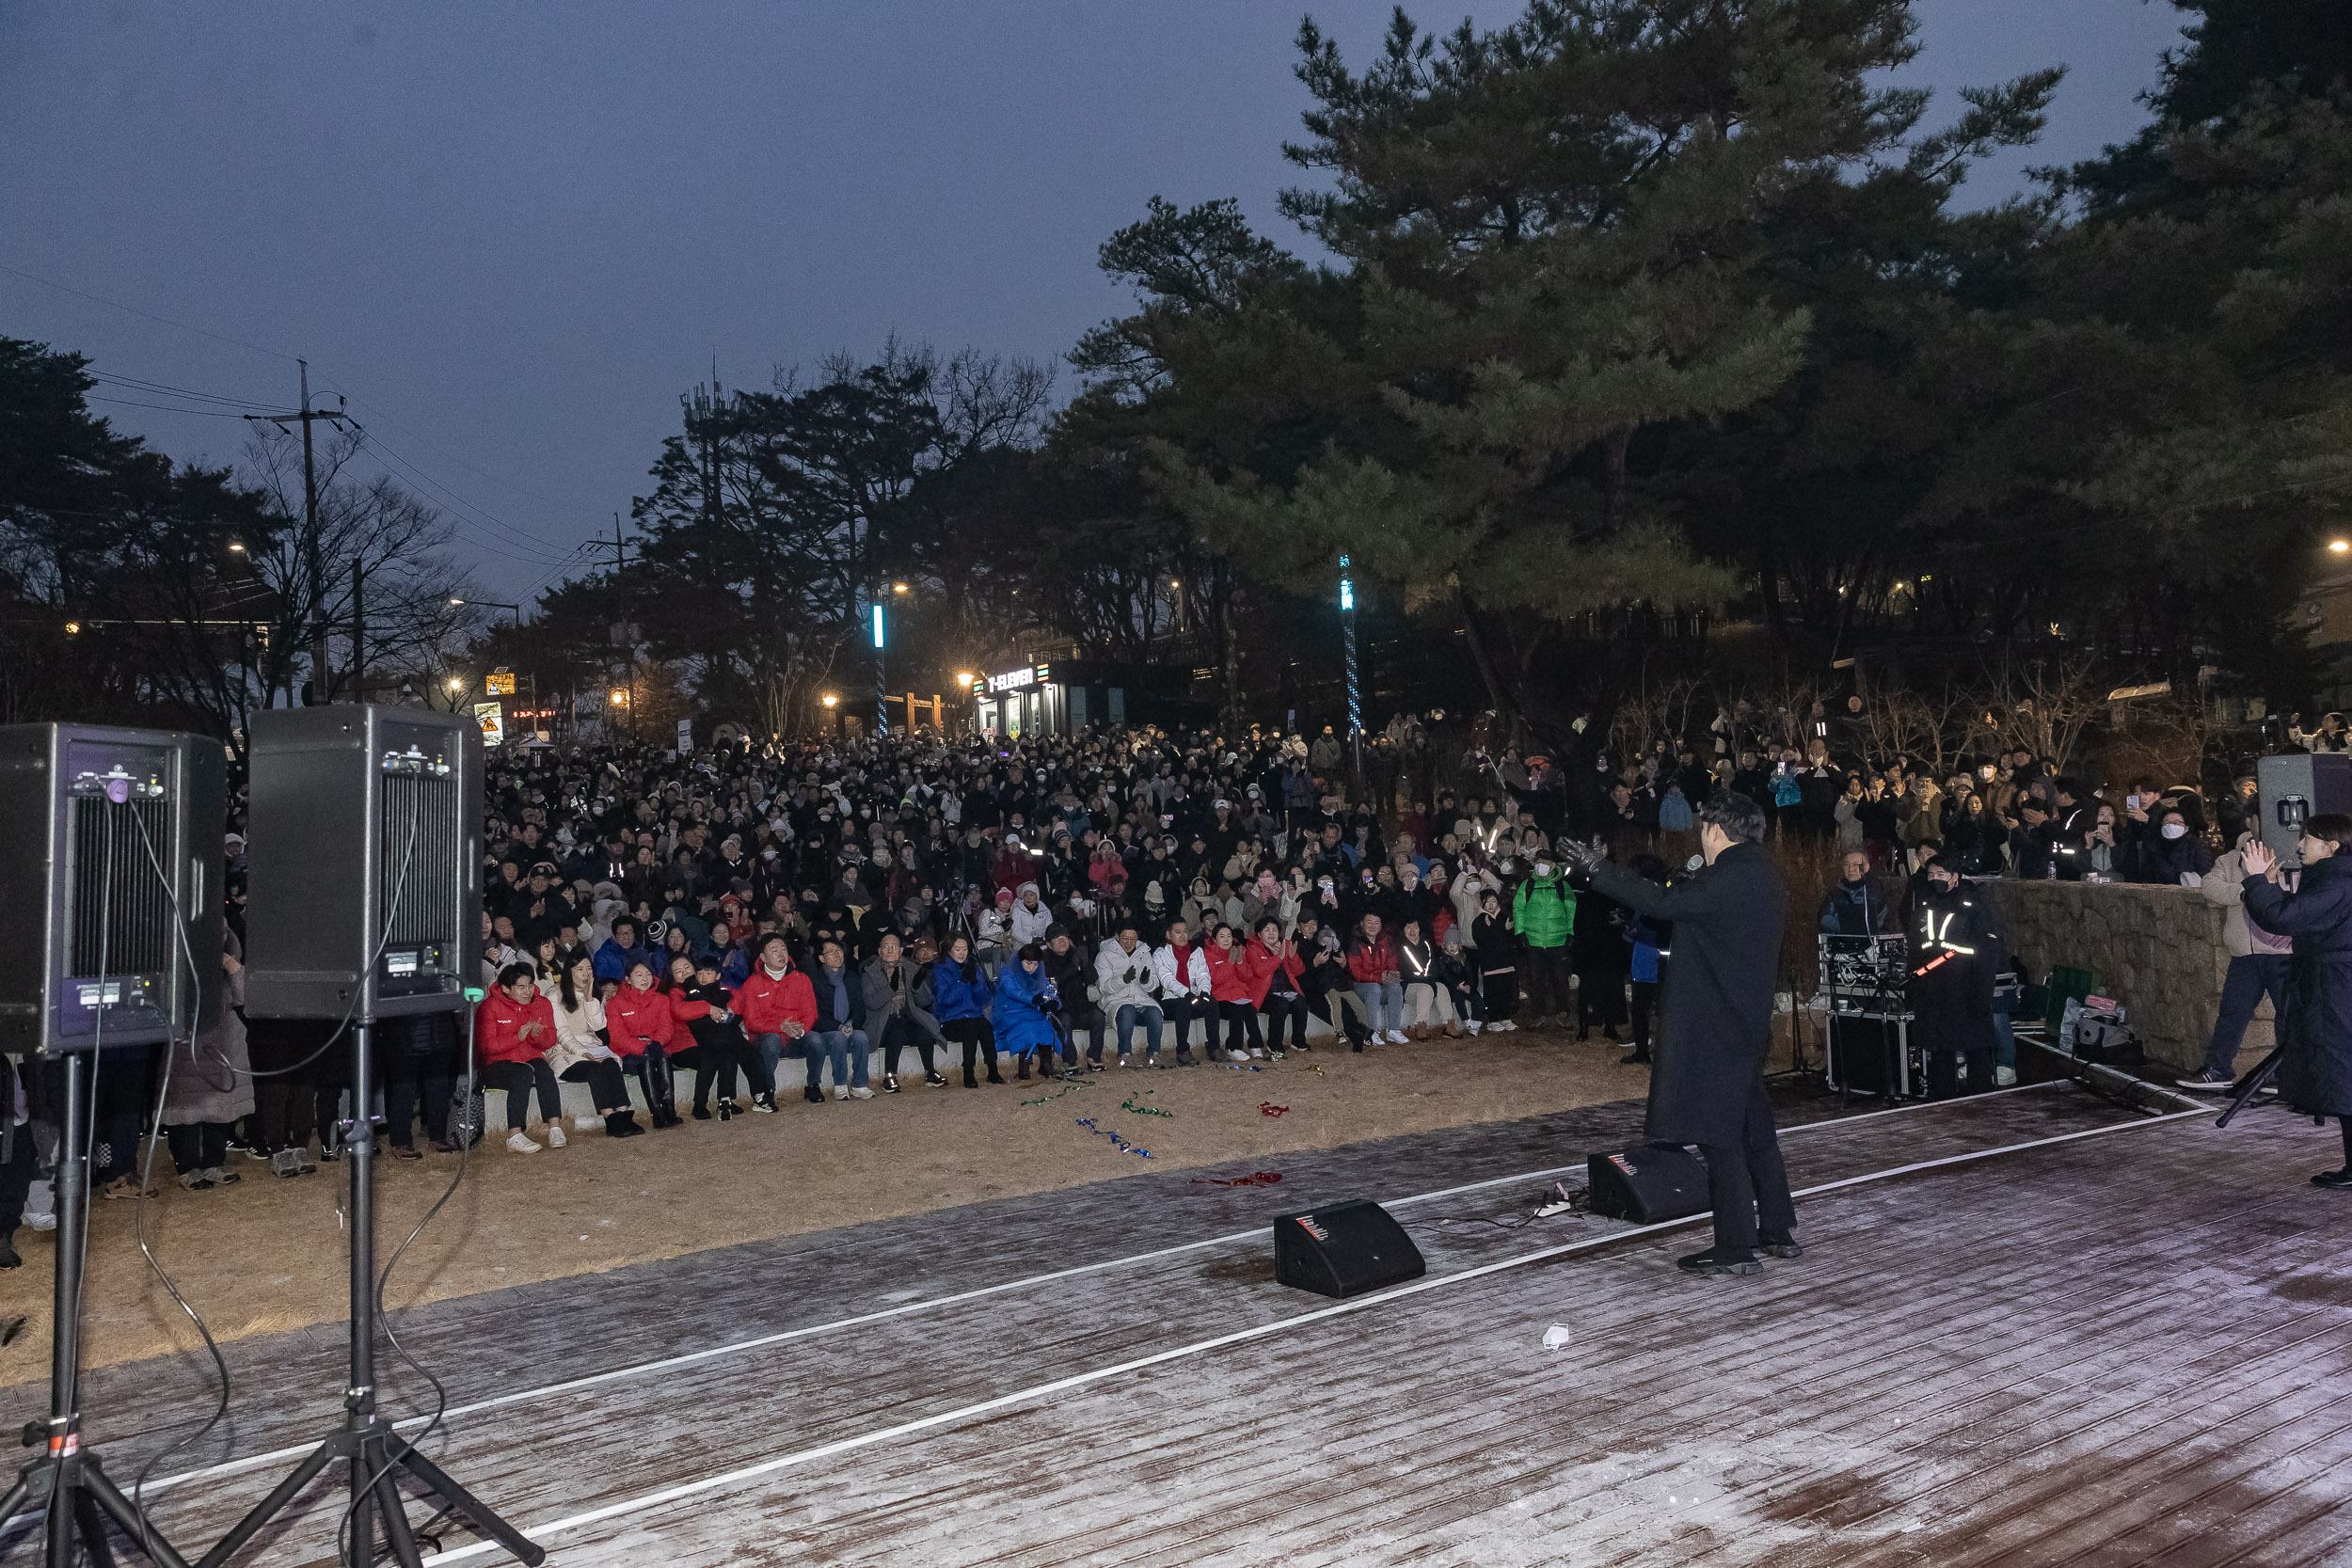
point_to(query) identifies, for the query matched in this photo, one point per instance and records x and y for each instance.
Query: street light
(829, 699)
(494, 604)
(236, 547)
(897, 588)
(455, 685)
(620, 696)
(2340, 546)
(963, 677)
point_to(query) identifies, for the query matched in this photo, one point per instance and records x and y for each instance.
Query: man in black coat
(2315, 1034)
(1716, 1028)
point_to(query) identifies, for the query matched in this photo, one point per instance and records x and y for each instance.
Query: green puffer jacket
(1544, 911)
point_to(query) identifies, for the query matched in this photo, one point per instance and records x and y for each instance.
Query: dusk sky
(513, 236)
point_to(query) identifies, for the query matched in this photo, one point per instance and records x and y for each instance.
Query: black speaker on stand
(110, 884)
(364, 901)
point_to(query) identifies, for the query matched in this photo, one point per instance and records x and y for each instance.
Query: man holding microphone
(1716, 1028)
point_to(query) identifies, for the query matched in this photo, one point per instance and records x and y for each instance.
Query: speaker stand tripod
(2251, 1084)
(66, 1484)
(376, 1457)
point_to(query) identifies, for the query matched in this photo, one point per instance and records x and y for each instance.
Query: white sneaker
(839, 1092)
(520, 1143)
(555, 1134)
(1396, 1036)
(1257, 1051)
(2005, 1077)
(1473, 1026)
(41, 1222)
(860, 1094)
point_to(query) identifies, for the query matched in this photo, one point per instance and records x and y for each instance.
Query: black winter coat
(2316, 1072)
(1715, 1008)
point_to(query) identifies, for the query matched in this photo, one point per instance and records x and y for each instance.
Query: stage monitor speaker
(2292, 789)
(99, 946)
(1648, 1184)
(1343, 1249)
(364, 864)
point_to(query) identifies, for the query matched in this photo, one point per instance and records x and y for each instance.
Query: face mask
(2174, 830)
(1543, 868)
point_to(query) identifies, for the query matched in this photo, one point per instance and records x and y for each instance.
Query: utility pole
(359, 631)
(620, 558)
(314, 557)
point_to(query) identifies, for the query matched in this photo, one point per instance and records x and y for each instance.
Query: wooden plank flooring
(2134, 1348)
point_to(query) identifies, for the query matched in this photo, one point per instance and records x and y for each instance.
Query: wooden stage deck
(2129, 1345)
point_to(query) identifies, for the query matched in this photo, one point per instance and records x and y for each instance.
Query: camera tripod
(376, 1457)
(67, 1483)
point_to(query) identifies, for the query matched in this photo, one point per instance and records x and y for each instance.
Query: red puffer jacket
(766, 1001)
(1293, 966)
(1240, 974)
(1369, 964)
(634, 1017)
(497, 1026)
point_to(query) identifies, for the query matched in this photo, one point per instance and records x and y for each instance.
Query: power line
(165, 407)
(459, 506)
(410, 431)
(149, 315)
(407, 470)
(163, 390)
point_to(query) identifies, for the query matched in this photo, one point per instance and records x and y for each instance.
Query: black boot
(890, 1082)
(993, 1076)
(8, 1259)
(702, 1111)
(1635, 1058)
(1723, 1260)
(1024, 1073)
(813, 1094)
(970, 1081)
(622, 1124)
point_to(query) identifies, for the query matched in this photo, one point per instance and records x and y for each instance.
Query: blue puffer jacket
(1020, 1012)
(611, 961)
(953, 997)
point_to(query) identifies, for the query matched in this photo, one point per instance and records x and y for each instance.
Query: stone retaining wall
(2157, 950)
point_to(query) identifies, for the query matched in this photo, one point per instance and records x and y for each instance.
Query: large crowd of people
(681, 934)
(983, 912)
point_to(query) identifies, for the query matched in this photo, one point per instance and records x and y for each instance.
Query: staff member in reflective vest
(1956, 952)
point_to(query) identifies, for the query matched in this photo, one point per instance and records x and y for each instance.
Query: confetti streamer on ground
(1129, 1104)
(1256, 1178)
(1266, 1108)
(1238, 1066)
(1117, 1141)
(1042, 1098)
